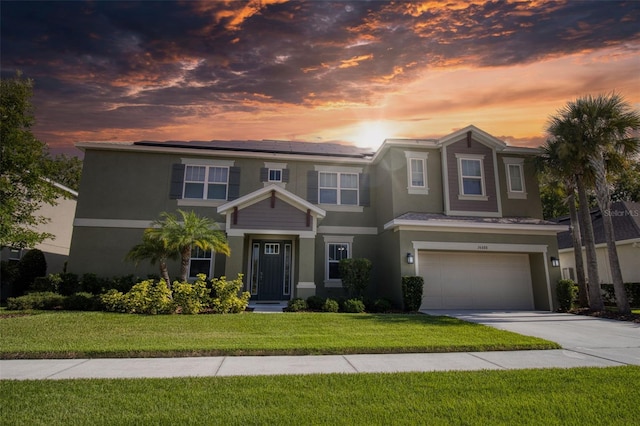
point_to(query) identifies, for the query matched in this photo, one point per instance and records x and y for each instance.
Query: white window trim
(269, 175)
(461, 194)
(511, 161)
(211, 263)
(422, 156)
(206, 183)
(339, 188)
(335, 239)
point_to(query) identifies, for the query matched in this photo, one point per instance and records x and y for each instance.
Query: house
(463, 211)
(60, 225)
(625, 217)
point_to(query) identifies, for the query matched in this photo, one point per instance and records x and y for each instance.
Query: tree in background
(23, 167)
(65, 170)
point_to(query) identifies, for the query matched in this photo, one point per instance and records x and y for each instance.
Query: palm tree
(191, 231)
(555, 165)
(154, 250)
(604, 125)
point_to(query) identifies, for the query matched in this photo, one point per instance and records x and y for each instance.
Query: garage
(464, 280)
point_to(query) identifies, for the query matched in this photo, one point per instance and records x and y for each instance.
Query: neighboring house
(60, 224)
(626, 228)
(463, 211)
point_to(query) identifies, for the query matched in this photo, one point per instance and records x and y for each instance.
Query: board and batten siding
(261, 215)
(476, 148)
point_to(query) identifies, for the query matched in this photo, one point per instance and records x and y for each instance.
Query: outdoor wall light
(555, 262)
(409, 258)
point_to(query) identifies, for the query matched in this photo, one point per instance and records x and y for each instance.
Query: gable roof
(625, 216)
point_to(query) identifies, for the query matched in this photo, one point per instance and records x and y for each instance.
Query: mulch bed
(607, 314)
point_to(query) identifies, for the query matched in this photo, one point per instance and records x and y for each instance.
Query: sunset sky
(319, 71)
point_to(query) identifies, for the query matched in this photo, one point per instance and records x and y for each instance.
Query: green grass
(600, 396)
(99, 334)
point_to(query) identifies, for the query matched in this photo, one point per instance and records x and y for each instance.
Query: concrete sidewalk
(587, 342)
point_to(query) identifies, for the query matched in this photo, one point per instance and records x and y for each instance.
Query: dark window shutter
(312, 186)
(365, 191)
(264, 174)
(177, 181)
(285, 175)
(234, 183)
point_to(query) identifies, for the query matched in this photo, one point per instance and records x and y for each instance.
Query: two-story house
(462, 211)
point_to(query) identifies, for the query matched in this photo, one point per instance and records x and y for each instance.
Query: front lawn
(602, 396)
(100, 334)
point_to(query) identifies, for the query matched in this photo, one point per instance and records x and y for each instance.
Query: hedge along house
(462, 211)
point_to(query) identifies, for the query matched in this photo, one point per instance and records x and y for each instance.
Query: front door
(270, 270)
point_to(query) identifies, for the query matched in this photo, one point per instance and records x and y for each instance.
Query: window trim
(339, 188)
(278, 180)
(475, 197)
(334, 239)
(205, 182)
(420, 156)
(518, 162)
(210, 259)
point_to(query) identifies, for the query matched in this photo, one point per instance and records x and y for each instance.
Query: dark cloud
(136, 64)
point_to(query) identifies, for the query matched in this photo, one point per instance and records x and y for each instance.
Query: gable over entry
(271, 209)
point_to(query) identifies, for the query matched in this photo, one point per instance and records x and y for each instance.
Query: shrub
(315, 303)
(113, 301)
(82, 302)
(566, 290)
(124, 283)
(91, 283)
(49, 283)
(631, 289)
(149, 297)
(32, 265)
(191, 298)
(40, 300)
(355, 306)
(381, 305)
(330, 305)
(412, 292)
(355, 275)
(226, 297)
(297, 305)
(69, 284)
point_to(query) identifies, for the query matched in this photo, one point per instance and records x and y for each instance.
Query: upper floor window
(417, 172)
(202, 182)
(471, 177)
(275, 175)
(338, 188)
(514, 172)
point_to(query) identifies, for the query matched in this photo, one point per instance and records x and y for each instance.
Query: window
(568, 274)
(15, 254)
(471, 177)
(272, 248)
(514, 169)
(275, 175)
(417, 173)
(200, 262)
(202, 182)
(338, 188)
(337, 252)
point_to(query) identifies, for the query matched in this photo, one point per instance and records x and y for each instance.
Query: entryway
(271, 270)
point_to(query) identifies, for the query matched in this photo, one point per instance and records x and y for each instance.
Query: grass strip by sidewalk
(600, 396)
(99, 334)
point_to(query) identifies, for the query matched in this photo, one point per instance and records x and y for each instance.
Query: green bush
(149, 297)
(227, 297)
(412, 288)
(191, 298)
(91, 283)
(355, 306)
(124, 283)
(330, 305)
(113, 301)
(355, 274)
(49, 283)
(297, 305)
(82, 301)
(315, 303)
(381, 305)
(40, 300)
(566, 291)
(32, 265)
(69, 285)
(631, 289)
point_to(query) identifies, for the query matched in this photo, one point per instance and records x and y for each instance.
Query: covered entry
(475, 280)
(271, 269)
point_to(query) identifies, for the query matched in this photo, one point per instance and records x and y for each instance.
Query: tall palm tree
(605, 125)
(558, 166)
(186, 232)
(154, 250)
(565, 135)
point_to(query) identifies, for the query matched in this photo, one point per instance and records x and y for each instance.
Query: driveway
(607, 339)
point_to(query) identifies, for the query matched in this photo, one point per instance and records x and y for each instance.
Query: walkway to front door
(271, 269)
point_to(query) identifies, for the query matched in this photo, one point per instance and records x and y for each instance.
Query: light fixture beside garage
(555, 262)
(410, 258)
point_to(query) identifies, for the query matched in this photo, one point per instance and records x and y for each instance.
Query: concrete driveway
(607, 339)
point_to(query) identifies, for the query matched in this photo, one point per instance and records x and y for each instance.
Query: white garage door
(461, 280)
